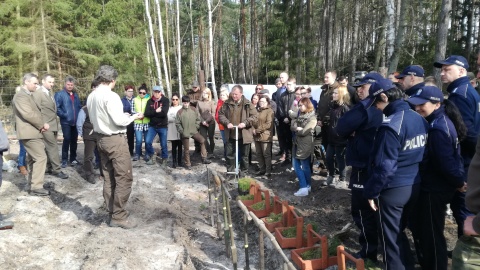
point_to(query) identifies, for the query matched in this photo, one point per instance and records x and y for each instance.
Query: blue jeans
(70, 136)
(140, 136)
(22, 155)
(162, 132)
(302, 169)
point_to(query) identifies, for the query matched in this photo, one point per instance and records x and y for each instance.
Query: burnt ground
(68, 230)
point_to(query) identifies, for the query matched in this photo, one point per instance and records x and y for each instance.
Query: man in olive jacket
(44, 99)
(188, 123)
(30, 126)
(238, 111)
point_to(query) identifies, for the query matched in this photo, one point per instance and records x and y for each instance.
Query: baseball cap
(452, 60)
(414, 70)
(426, 93)
(157, 88)
(369, 78)
(376, 89)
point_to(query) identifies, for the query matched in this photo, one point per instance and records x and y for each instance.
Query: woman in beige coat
(172, 134)
(263, 134)
(207, 107)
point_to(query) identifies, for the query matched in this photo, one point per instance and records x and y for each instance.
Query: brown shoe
(124, 223)
(23, 170)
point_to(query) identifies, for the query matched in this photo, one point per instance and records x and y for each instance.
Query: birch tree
(152, 41)
(179, 53)
(160, 28)
(441, 45)
(390, 11)
(210, 48)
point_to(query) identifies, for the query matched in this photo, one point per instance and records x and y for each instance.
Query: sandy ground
(68, 230)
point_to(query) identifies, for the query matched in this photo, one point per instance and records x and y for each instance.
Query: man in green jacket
(188, 123)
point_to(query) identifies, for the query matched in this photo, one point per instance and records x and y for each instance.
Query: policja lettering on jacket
(416, 142)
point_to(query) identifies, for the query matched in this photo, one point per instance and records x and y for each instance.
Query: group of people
(408, 146)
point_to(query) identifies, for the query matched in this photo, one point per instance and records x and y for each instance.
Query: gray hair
(69, 79)
(239, 87)
(28, 77)
(106, 74)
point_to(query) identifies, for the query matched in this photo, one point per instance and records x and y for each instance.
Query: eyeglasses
(142, 93)
(129, 91)
(174, 98)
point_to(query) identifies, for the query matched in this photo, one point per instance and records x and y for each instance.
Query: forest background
(173, 43)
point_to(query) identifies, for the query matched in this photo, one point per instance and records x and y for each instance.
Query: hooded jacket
(158, 119)
(303, 139)
(264, 125)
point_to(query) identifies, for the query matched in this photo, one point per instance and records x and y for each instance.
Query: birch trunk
(152, 42)
(441, 45)
(164, 59)
(399, 38)
(179, 53)
(45, 47)
(210, 37)
(390, 11)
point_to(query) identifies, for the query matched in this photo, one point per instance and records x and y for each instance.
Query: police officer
(464, 96)
(359, 126)
(411, 79)
(393, 183)
(441, 172)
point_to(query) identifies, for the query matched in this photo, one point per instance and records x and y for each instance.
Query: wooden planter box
(254, 189)
(314, 264)
(342, 256)
(291, 219)
(278, 207)
(258, 198)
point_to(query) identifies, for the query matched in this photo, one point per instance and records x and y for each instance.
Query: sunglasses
(142, 93)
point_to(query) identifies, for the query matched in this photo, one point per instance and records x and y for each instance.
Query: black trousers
(431, 244)
(365, 219)
(243, 150)
(130, 138)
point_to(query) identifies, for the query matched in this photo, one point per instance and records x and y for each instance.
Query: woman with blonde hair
(207, 108)
(336, 145)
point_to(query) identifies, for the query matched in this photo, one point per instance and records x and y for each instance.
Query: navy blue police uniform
(398, 149)
(359, 126)
(462, 93)
(442, 173)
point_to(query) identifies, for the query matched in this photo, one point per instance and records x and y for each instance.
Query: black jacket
(325, 98)
(158, 119)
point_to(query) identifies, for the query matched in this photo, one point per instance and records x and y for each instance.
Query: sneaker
(61, 175)
(39, 192)
(151, 161)
(6, 225)
(329, 180)
(23, 170)
(147, 157)
(282, 158)
(206, 161)
(301, 192)
(64, 163)
(136, 158)
(124, 223)
(309, 188)
(74, 163)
